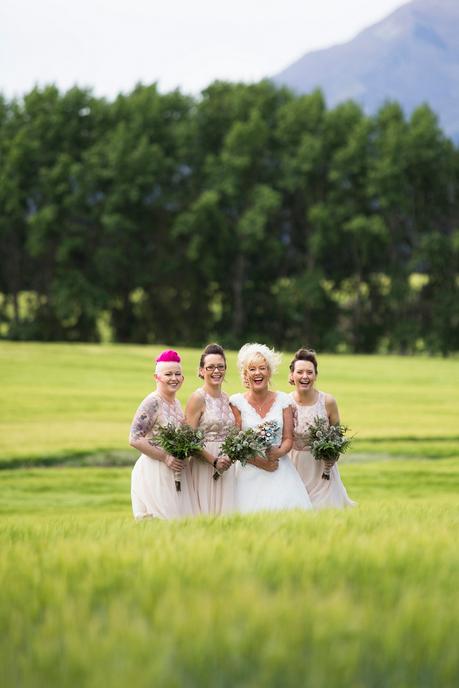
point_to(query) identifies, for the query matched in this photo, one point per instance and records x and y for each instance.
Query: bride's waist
(282, 459)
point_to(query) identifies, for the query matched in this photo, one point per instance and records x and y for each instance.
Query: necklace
(258, 407)
(302, 402)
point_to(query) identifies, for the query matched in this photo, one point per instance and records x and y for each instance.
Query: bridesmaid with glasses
(208, 409)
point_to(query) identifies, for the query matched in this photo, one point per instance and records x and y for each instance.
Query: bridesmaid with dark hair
(208, 409)
(310, 403)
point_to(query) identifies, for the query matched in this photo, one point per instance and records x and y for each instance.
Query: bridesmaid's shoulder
(329, 399)
(151, 400)
(148, 406)
(197, 399)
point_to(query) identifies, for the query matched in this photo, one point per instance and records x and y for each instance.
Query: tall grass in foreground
(364, 598)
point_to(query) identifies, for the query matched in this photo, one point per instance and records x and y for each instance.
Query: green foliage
(181, 441)
(326, 441)
(248, 212)
(242, 445)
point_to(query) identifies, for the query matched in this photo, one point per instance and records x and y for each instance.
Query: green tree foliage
(246, 213)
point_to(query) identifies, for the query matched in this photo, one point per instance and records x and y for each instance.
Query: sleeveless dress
(153, 490)
(323, 493)
(214, 496)
(257, 489)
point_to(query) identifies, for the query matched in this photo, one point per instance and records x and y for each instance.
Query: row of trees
(246, 213)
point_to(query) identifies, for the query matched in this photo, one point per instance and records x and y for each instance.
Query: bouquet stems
(178, 481)
(328, 465)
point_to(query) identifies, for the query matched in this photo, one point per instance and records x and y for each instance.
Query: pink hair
(168, 356)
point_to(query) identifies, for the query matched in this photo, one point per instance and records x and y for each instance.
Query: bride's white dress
(257, 489)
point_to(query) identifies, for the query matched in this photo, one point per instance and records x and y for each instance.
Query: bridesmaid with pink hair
(209, 410)
(153, 490)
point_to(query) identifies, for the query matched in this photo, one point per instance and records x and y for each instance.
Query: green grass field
(63, 400)
(362, 598)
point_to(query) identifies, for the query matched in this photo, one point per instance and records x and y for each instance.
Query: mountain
(411, 56)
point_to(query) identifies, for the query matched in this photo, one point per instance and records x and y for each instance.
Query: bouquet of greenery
(242, 445)
(181, 442)
(327, 442)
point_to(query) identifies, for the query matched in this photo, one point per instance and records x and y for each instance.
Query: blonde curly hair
(250, 352)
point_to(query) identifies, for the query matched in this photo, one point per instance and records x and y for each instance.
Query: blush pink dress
(323, 493)
(153, 490)
(214, 496)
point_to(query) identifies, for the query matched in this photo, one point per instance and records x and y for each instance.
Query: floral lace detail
(152, 413)
(250, 418)
(217, 418)
(303, 416)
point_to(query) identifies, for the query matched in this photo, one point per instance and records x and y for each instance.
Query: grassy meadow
(362, 598)
(64, 400)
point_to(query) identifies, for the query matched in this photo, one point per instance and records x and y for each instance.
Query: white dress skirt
(257, 489)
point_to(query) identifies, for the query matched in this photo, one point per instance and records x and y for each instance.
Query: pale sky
(110, 45)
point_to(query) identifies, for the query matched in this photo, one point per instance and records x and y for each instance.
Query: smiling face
(213, 371)
(257, 374)
(303, 376)
(169, 378)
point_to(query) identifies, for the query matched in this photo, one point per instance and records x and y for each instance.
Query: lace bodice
(250, 418)
(303, 416)
(152, 413)
(217, 418)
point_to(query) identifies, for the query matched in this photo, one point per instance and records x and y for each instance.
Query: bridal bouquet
(327, 442)
(181, 441)
(242, 445)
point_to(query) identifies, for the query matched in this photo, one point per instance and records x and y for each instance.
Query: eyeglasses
(220, 367)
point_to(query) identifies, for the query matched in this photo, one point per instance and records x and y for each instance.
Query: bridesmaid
(153, 490)
(308, 403)
(208, 409)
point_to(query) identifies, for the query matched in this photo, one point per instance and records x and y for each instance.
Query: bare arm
(332, 409)
(194, 409)
(141, 426)
(237, 416)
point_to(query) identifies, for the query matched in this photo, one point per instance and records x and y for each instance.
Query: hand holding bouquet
(242, 445)
(181, 442)
(327, 442)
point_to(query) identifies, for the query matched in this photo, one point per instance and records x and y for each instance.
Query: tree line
(247, 213)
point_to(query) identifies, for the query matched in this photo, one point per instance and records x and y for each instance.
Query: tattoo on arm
(144, 418)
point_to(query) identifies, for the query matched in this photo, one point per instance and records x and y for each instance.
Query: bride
(271, 483)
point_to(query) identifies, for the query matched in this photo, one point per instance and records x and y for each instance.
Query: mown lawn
(364, 598)
(63, 400)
